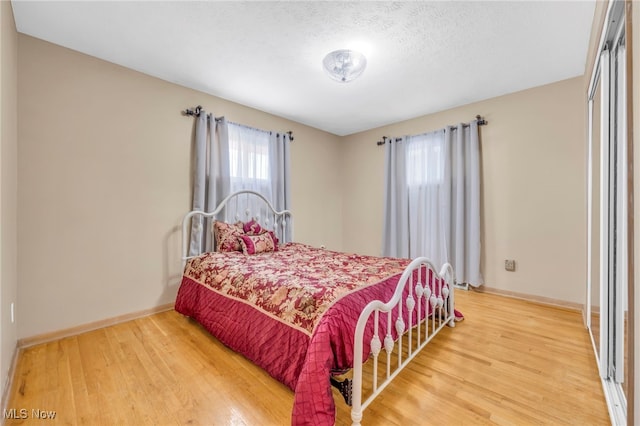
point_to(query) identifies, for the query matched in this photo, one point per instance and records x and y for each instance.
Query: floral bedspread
(292, 312)
(296, 284)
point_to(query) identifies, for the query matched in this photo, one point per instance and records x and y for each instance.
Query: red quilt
(292, 312)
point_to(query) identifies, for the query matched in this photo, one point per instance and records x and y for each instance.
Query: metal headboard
(267, 216)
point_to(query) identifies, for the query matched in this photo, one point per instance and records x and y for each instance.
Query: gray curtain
(211, 181)
(462, 201)
(396, 206)
(432, 199)
(279, 146)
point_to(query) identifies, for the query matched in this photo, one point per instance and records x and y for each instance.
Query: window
(249, 165)
(425, 159)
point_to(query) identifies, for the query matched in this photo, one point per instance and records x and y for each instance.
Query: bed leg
(451, 323)
(356, 418)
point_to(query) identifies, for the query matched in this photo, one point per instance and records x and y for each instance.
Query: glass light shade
(344, 65)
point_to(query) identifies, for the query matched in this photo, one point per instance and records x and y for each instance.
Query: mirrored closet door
(607, 213)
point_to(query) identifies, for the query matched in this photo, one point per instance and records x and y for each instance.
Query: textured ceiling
(422, 56)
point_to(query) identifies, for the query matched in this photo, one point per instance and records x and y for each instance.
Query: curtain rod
(195, 112)
(481, 122)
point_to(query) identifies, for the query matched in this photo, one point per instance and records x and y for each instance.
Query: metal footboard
(422, 297)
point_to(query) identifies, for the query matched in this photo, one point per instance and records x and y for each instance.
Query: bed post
(447, 272)
(356, 390)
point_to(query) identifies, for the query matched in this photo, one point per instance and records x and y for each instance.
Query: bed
(310, 317)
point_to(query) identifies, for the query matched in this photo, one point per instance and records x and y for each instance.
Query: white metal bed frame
(276, 221)
(414, 277)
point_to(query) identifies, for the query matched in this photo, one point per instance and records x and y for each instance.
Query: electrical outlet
(13, 316)
(510, 265)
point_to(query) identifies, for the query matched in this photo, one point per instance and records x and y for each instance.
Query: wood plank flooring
(510, 362)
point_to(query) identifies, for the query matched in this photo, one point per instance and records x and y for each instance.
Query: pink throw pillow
(263, 243)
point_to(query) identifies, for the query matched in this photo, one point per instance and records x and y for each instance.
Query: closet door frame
(610, 83)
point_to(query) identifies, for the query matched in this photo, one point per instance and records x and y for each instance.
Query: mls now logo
(23, 413)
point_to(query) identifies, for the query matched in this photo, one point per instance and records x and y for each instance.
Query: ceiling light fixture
(344, 65)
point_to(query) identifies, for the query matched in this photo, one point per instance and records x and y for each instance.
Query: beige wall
(8, 185)
(104, 173)
(533, 180)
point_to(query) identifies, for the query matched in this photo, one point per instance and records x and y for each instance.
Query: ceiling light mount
(344, 65)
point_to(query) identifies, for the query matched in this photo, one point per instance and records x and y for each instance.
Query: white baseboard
(557, 303)
(6, 391)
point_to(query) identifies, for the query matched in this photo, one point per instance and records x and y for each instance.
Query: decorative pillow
(252, 228)
(227, 236)
(263, 243)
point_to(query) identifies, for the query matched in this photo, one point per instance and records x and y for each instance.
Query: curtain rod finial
(193, 112)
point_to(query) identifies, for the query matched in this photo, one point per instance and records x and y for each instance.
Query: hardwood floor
(510, 362)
